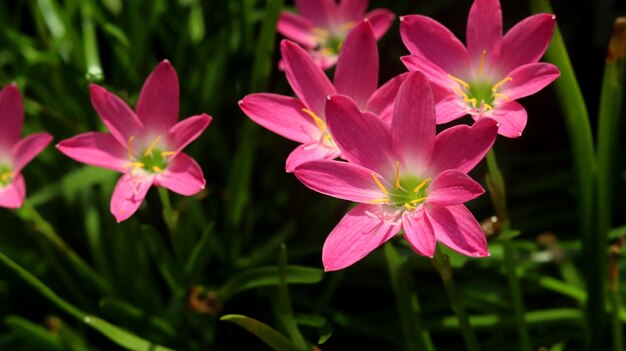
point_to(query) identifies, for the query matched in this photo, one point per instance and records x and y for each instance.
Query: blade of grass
(284, 309)
(269, 336)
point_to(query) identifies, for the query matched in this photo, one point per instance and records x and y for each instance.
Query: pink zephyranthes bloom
(322, 25)
(15, 153)
(404, 177)
(486, 77)
(146, 144)
(303, 119)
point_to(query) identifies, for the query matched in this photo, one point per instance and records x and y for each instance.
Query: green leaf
(33, 334)
(320, 323)
(198, 258)
(269, 336)
(284, 309)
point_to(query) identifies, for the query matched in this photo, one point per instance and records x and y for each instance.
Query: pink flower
(145, 145)
(322, 25)
(486, 77)
(404, 176)
(303, 120)
(15, 153)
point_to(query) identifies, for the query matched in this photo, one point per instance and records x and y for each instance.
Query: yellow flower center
(408, 191)
(151, 160)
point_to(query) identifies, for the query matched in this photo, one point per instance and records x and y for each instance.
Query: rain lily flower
(404, 176)
(485, 77)
(15, 153)
(322, 25)
(146, 144)
(303, 119)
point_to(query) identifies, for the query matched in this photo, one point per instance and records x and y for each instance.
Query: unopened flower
(404, 177)
(321, 26)
(146, 145)
(485, 77)
(15, 153)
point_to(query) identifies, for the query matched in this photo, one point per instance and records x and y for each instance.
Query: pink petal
(462, 147)
(183, 176)
(512, 118)
(96, 149)
(320, 12)
(484, 31)
(452, 187)
(526, 41)
(282, 115)
(426, 37)
(529, 79)
(435, 74)
(12, 196)
(115, 113)
(309, 152)
(363, 138)
(450, 109)
(338, 179)
(382, 100)
(296, 28)
(456, 227)
(306, 78)
(355, 236)
(128, 195)
(413, 125)
(28, 148)
(381, 20)
(187, 130)
(157, 106)
(356, 74)
(351, 10)
(418, 232)
(11, 116)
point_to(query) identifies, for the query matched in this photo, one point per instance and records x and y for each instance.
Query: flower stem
(616, 304)
(442, 264)
(169, 216)
(92, 55)
(495, 183)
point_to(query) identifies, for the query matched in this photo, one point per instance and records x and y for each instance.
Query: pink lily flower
(145, 145)
(322, 25)
(303, 119)
(404, 176)
(15, 153)
(485, 77)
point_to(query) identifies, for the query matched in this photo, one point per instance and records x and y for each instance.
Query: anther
(151, 147)
(380, 185)
(417, 201)
(421, 185)
(498, 84)
(378, 201)
(157, 169)
(167, 153)
(397, 175)
(487, 106)
(409, 207)
(482, 63)
(460, 81)
(6, 176)
(129, 147)
(498, 95)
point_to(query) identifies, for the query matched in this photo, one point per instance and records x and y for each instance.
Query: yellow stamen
(460, 81)
(378, 201)
(482, 63)
(409, 207)
(129, 145)
(167, 153)
(151, 147)
(157, 169)
(487, 106)
(421, 185)
(498, 84)
(380, 185)
(397, 175)
(417, 201)
(346, 26)
(6, 176)
(498, 95)
(465, 97)
(135, 165)
(318, 121)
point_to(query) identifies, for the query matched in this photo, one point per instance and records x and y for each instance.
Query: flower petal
(320, 12)
(310, 152)
(356, 235)
(12, 196)
(338, 179)
(306, 78)
(183, 176)
(456, 227)
(128, 195)
(529, 79)
(435, 74)
(450, 109)
(157, 106)
(296, 28)
(96, 149)
(484, 31)
(426, 37)
(11, 116)
(381, 20)
(526, 41)
(462, 147)
(382, 100)
(512, 118)
(28, 148)
(363, 138)
(413, 125)
(115, 113)
(351, 10)
(452, 187)
(356, 74)
(187, 130)
(418, 232)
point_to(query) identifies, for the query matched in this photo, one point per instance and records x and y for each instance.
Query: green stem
(442, 264)
(92, 55)
(618, 338)
(169, 216)
(497, 190)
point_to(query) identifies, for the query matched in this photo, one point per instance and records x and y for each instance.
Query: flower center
(6, 176)
(408, 191)
(321, 125)
(152, 160)
(329, 43)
